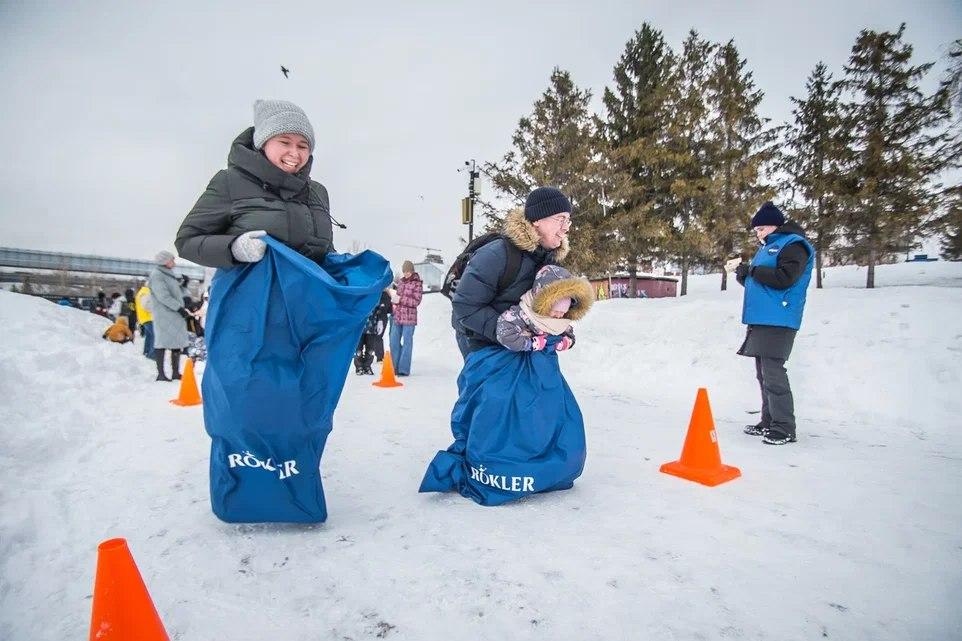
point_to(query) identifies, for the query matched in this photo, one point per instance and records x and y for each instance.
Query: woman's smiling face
(288, 152)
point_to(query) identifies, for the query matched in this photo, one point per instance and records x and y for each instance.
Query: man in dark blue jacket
(776, 282)
(540, 232)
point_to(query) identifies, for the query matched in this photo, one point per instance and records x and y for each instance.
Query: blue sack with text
(280, 333)
(517, 429)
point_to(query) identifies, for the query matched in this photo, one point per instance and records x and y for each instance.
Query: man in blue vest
(775, 281)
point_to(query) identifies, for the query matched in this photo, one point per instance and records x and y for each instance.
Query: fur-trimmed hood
(522, 233)
(554, 283)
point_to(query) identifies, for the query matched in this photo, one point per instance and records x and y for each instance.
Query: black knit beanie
(544, 202)
(768, 214)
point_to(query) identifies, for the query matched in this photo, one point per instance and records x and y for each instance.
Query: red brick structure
(648, 286)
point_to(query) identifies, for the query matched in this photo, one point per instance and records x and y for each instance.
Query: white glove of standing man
(248, 247)
(395, 297)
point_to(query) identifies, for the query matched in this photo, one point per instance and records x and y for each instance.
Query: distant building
(647, 286)
(432, 272)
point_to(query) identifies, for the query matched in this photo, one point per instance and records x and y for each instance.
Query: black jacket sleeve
(741, 273)
(201, 238)
(787, 271)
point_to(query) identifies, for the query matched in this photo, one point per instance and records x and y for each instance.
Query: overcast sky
(115, 116)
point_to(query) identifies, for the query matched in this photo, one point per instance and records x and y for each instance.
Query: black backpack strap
(512, 267)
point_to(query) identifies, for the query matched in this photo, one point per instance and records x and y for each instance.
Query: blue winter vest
(766, 305)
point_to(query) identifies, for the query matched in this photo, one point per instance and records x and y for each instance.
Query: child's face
(560, 308)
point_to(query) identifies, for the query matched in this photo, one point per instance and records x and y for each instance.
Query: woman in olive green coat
(266, 189)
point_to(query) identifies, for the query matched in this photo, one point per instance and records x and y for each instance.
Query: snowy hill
(855, 532)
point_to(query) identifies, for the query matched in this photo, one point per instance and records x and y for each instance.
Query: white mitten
(248, 247)
(395, 297)
(732, 264)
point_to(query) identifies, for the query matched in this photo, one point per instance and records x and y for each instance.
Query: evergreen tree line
(681, 157)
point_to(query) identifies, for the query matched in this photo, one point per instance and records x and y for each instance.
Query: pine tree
(953, 79)
(899, 146)
(952, 241)
(815, 149)
(638, 112)
(951, 222)
(688, 165)
(741, 148)
(557, 145)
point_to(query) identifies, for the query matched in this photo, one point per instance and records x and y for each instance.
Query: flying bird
(285, 70)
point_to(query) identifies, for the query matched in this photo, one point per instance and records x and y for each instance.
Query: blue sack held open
(281, 333)
(517, 427)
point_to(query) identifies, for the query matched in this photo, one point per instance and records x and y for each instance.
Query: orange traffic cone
(700, 459)
(387, 373)
(188, 387)
(122, 608)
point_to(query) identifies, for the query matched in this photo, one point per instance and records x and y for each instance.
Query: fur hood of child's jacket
(532, 316)
(553, 283)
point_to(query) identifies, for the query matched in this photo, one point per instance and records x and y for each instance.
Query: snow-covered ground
(855, 532)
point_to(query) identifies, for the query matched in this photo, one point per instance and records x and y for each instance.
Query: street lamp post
(467, 204)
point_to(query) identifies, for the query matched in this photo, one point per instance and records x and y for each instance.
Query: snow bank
(852, 533)
(888, 355)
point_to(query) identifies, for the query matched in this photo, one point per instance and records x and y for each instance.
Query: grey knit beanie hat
(163, 257)
(275, 117)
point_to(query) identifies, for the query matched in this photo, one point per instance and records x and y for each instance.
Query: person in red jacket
(406, 298)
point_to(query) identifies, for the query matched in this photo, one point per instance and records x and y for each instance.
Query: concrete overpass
(75, 276)
(59, 261)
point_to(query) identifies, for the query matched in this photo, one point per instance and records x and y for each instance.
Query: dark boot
(756, 430)
(771, 437)
(175, 364)
(159, 360)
